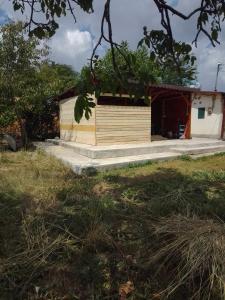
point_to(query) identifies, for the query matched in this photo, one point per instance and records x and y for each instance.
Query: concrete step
(82, 149)
(113, 151)
(119, 162)
(203, 144)
(81, 164)
(199, 150)
(196, 156)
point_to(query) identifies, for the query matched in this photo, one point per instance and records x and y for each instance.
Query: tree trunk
(23, 129)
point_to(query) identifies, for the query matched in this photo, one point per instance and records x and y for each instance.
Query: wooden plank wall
(122, 124)
(70, 130)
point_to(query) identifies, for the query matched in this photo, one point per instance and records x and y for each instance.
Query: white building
(207, 114)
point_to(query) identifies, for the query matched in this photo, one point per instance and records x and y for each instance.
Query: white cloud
(72, 47)
(81, 41)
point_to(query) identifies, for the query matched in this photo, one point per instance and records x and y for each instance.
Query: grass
(65, 236)
(195, 251)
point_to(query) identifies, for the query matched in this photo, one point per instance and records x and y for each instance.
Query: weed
(185, 157)
(139, 165)
(214, 176)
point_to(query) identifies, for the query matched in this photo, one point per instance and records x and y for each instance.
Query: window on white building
(201, 113)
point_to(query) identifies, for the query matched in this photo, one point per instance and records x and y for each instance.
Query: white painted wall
(211, 125)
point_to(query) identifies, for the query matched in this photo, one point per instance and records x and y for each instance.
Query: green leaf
(17, 6)
(188, 48)
(193, 59)
(152, 55)
(63, 4)
(214, 34)
(140, 43)
(147, 42)
(79, 108)
(58, 10)
(97, 93)
(133, 59)
(91, 104)
(88, 113)
(43, 6)
(38, 32)
(86, 5)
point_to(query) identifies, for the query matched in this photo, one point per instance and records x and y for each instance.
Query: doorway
(171, 116)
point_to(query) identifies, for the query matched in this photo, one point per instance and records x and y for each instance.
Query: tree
(56, 77)
(19, 58)
(52, 79)
(133, 66)
(136, 70)
(27, 79)
(185, 76)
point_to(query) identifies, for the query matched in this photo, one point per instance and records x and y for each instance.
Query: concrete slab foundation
(83, 158)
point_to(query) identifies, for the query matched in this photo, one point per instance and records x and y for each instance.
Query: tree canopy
(27, 78)
(135, 70)
(19, 58)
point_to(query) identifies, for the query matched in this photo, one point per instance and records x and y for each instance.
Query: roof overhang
(210, 93)
(171, 87)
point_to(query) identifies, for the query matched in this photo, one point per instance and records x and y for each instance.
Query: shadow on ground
(98, 233)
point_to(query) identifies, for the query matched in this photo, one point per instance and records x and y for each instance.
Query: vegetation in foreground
(150, 232)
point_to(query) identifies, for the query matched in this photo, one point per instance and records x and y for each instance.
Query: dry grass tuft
(193, 251)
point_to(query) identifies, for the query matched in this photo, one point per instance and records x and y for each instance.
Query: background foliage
(135, 71)
(28, 81)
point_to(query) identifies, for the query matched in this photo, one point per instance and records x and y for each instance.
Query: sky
(3, 16)
(73, 43)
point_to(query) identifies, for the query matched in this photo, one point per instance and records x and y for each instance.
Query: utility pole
(219, 65)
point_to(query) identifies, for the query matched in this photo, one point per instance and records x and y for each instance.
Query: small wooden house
(114, 120)
(172, 112)
(120, 119)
